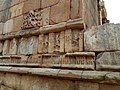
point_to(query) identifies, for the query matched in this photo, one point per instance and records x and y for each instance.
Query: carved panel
(82, 60)
(51, 60)
(32, 19)
(57, 42)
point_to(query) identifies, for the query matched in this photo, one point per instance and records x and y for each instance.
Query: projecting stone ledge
(95, 76)
(70, 24)
(102, 38)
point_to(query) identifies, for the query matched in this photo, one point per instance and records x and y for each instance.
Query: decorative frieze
(78, 60)
(81, 60)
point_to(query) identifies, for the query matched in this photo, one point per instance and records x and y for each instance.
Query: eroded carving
(32, 19)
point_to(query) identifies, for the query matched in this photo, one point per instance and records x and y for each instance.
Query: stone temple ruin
(58, 45)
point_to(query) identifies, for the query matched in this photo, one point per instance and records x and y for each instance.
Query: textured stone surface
(40, 43)
(81, 60)
(88, 86)
(51, 43)
(76, 9)
(48, 3)
(12, 80)
(6, 47)
(13, 46)
(62, 41)
(16, 10)
(68, 40)
(1, 47)
(28, 45)
(5, 15)
(46, 43)
(30, 5)
(108, 60)
(45, 14)
(35, 59)
(8, 26)
(1, 28)
(51, 60)
(102, 38)
(18, 21)
(2, 87)
(32, 19)
(60, 12)
(109, 87)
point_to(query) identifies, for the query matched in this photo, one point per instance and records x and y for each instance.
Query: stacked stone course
(57, 45)
(46, 30)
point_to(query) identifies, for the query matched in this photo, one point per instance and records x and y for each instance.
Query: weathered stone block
(17, 24)
(1, 47)
(82, 60)
(45, 14)
(56, 84)
(48, 3)
(62, 41)
(12, 80)
(1, 28)
(5, 59)
(40, 43)
(5, 15)
(51, 60)
(28, 45)
(60, 12)
(46, 43)
(35, 59)
(6, 47)
(2, 87)
(14, 2)
(8, 26)
(57, 42)
(88, 86)
(76, 9)
(31, 83)
(108, 60)
(68, 40)
(51, 43)
(13, 46)
(53, 28)
(30, 5)
(73, 40)
(10, 59)
(16, 10)
(102, 38)
(6, 4)
(77, 40)
(109, 87)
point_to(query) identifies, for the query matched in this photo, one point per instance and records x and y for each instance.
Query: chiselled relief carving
(57, 42)
(79, 60)
(32, 19)
(75, 40)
